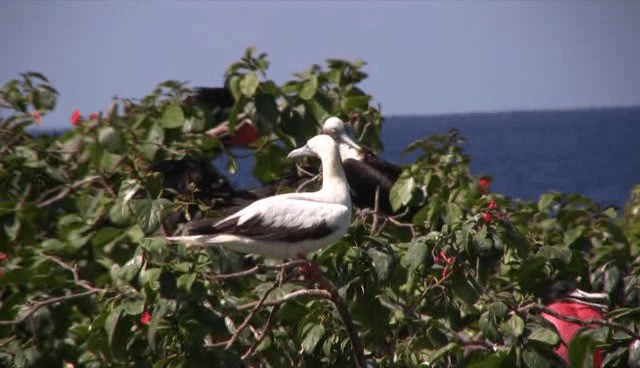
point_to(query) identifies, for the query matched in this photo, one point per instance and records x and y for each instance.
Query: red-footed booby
(366, 172)
(286, 225)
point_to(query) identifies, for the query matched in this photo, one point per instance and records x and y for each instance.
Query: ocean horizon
(594, 152)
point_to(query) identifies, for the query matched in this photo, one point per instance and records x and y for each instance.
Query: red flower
(94, 116)
(3, 256)
(36, 116)
(145, 318)
(492, 204)
(75, 117)
(245, 134)
(486, 217)
(444, 257)
(484, 182)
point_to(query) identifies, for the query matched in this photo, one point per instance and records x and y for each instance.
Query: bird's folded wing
(278, 219)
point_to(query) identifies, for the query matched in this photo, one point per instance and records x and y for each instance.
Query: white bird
(366, 172)
(286, 225)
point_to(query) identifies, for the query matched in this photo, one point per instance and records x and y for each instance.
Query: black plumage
(365, 171)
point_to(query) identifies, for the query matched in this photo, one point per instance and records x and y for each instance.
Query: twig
(374, 221)
(356, 344)
(317, 293)
(68, 188)
(252, 313)
(42, 303)
(263, 334)
(251, 271)
(364, 131)
(35, 305)
(8, 145)
(307, 182)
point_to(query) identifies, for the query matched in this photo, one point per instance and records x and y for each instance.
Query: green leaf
(571, 236)
(234, 86)
(133, 307)
(114, 328)
(267, 110)
(313, 336)
(309, 88)
(249, 84)
(546, 200)
(487, 360)
(415, 255)
(533, 359)
(185, 282)
(514, 326)
(110, 139)
(381, 262)
(556, 253)
(355, 103)
(152, 143)
(544, 336)
(489, 327)
(150, 212)
(172, 116)
(402, 191)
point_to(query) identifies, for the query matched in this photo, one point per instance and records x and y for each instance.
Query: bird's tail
(189, 240)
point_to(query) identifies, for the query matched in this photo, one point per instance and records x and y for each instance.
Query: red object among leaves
(3, 256)
(94, 116)
(567, 330)
(484, 182)
(36, 116)
(245, 134)
(486, 217)
(75, 117)
(492, 204)
(145, 318)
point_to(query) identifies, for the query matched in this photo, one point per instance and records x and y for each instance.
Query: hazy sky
(423, 57)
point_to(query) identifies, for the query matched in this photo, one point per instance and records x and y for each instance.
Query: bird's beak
(300, 152)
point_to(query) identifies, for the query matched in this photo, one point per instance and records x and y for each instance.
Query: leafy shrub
(88, 280)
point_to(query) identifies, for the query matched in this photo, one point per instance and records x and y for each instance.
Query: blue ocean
(592, 152)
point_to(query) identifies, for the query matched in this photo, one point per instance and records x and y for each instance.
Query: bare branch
(251, 314)
(35, 305)
(68, 188)
(253, 270)
(317, 293)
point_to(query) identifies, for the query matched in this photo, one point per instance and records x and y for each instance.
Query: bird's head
(316, 147)
(335, 127)
(568, 291)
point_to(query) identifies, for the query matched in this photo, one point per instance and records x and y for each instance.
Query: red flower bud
(94, 116)
(75, 117)
(3, 256)
(484, 182)
(36, 116)
(486, 217)
(145, 318)
(492, 204)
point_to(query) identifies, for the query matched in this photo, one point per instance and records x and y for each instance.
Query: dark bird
(218, 102)
(285, 225)
(565, 298)
(366, 172)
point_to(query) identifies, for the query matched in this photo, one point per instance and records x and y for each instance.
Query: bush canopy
(88, 280)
